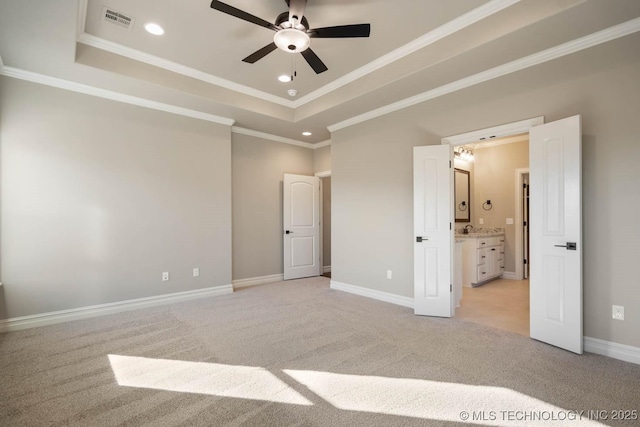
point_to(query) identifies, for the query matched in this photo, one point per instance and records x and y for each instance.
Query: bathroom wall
(495, 180)
(469, 167)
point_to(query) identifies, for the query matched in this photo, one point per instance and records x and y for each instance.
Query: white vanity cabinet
(482, 259)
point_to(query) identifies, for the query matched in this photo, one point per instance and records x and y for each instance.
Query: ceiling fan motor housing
(292, 40)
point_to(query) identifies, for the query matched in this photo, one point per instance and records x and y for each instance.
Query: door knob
(420, 239)
(571, 246)
(288, 232)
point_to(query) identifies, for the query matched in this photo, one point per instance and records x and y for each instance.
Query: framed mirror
(462, 195)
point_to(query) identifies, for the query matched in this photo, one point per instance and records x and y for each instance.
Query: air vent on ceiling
(117, 18)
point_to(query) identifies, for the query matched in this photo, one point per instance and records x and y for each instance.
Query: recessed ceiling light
(307, 133)
(284, 78)
(154, 29)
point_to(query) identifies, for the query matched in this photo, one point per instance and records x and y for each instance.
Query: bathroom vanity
(482, 257)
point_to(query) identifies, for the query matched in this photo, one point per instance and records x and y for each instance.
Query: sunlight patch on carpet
(214, 379)
(482, 405)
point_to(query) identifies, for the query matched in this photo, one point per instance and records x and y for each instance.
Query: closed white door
(556, 234)
(433, 235)
(301, 220)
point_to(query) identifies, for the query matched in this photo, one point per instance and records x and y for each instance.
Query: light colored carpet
(297, 353)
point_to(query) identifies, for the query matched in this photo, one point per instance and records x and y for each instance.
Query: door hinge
(449, 164)
(450, 287)
(524, 223)
(524, 186)
(525, 261)
(450, 226)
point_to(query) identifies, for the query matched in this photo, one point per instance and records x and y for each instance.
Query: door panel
(302, 253)
(301, 220)
(433, 207)
(556, 234)
(302, 204)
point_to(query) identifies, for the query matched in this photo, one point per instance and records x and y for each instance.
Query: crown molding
(82, 17)
(270, 137)
(457, 24)
(421, 42)
(547, 55)
(114, 96)
(322, 144)
(118, 49)
(154, 105)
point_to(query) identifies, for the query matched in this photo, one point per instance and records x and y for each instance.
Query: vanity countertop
(481, 232)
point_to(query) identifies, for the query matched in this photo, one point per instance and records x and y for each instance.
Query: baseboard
(54, 317)
(326, 269)
(510, 275)
(373, 294)
(252, 281)
(623, 352)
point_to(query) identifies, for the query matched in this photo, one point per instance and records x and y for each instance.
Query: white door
(556, 234)
(432, 219)
(301, 220)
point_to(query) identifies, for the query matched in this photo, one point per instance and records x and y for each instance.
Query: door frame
(519, 225)
(323, 174)
(484, 135)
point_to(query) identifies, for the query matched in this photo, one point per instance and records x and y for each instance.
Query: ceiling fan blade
(223, 7)
(296, 8)
(259, 54)
(313, 60)
(341, 31)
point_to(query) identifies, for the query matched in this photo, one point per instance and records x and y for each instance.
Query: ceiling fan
(293, 34)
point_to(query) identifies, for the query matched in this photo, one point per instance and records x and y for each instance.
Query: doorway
(555, 153)
(498, 169)
(325, 224)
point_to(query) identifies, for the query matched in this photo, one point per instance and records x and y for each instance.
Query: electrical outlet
(196, 272)
(165, 276)
(389, 274)
(509, 221)
(481, 221)
(618, 312)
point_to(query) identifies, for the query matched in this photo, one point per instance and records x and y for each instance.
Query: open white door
(301, 219)
(432, 219)
(556, 233)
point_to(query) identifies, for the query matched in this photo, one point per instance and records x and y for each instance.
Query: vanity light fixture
(154, 28)
(463, 153)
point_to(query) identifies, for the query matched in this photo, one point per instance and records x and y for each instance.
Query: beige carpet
(297, 353)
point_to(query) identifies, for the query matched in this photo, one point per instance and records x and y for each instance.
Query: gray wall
(322, 159)
(99, 198)
(495, 180)
(258, 168)
(372, 175)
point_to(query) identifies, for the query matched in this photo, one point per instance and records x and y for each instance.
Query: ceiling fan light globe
(292, 40)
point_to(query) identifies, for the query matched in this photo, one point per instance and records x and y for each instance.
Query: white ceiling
(416, 46)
